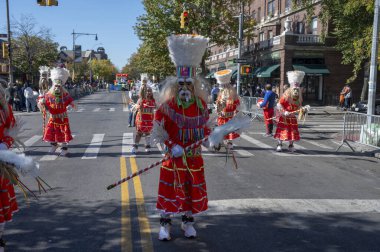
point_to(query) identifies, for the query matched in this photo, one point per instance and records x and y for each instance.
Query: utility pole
(240, 44)
(9, 47)
(373, 67)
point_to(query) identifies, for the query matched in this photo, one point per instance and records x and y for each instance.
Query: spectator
(214, 93)
(133, 98)
(9, 94)
(246, 92)
(257, 92)
(30, 99)
(347, 93)
(268, 106)
(17, 99)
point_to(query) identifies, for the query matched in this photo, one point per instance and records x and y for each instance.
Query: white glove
(177, 151)
(286, 113)
(3, 146)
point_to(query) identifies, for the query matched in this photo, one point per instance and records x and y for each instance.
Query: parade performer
(267, 104)
(43, 86)
(144, 119)
(179, 122)
(56, 101)
(227, 103)
(289, 104)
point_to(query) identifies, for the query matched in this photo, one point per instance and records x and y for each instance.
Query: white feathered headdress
(223, 77)
(44, 71)
(186, 52)
(58, 74)
(144, 76)
(295, 78)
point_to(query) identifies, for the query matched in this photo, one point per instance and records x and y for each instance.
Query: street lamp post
(9, 47)
(373, 67)
(75, 36)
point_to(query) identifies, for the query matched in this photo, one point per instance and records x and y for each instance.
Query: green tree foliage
(211, 18)
(103, 69)
(32, 48)
(351, 22)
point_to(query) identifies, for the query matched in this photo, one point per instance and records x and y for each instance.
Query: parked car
(362, 107)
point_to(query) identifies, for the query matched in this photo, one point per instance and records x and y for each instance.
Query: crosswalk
(99, 110)
(249, 145)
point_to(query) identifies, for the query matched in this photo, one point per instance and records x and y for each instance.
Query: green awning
(266, 72)
(312, 69)
(234, 74)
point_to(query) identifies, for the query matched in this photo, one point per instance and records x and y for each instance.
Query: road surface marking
(49, 157)
(80, 110)
(259, 143)
(126, 232)
(111, 109)
(127, 143)
(301, 206)
(323, 146)
(160, 149)
(96, 110)
(94, 147)
(32, 140)
(145, 231)
(242, 152)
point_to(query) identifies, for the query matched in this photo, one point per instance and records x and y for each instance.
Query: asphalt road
(313, 200)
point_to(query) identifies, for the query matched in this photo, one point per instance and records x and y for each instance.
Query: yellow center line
(126, 232)
(145, 231)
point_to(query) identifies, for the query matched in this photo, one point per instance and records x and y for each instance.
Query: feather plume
(295, 78)
(23, 164)
(237, 123)
(187, 49)
(159, 134)
(44, 70)
(61, 74)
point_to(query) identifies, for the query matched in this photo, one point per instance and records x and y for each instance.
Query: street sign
(243, 61)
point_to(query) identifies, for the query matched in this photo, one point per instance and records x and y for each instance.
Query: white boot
(164, 233)
(64, 152)
(188, 227)
(53, 148)
(134, 149)
(147, 148)
(291, 148)
(279, 148)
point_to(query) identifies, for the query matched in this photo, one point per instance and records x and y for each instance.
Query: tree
(32, 48)
(211, 18)
(103, 69)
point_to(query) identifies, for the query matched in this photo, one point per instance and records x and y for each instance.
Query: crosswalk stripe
(127, 143)
(256, 142)
(32, 140)
(94, 147)
(96, 110)
(242, 152)
(111, 110)
(299, 147)
(80, 110)
(160, 149)
(323, 146)
(49, 157)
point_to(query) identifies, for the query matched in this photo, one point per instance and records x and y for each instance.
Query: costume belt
(227, 114)
(194, 152)
(147, 110)
(59, 116)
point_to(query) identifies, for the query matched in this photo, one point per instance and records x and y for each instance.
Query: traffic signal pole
(240, 39)
(373, 67)
(9, 47)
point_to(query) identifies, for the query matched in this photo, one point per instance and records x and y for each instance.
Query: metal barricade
(248, 107)
(362, 129)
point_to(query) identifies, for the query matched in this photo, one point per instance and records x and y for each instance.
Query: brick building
(285, 41)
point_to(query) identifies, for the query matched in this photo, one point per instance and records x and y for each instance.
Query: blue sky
(112, 20)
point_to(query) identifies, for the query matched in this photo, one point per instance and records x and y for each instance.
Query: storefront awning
(312, 69)
(234, 74)
(266, 72)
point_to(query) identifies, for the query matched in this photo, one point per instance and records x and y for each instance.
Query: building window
(261, 36)
(270, 8)
(288, 5)
(300, 28)
(220, 50)
(254, 15)
(259, 14)
(270, 34)
(314, 26)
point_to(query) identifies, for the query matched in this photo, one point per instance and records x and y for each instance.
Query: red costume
(8, 204)
(227, 113)
(145, 115)
(58, 128)
(287, 126)
(182, 182)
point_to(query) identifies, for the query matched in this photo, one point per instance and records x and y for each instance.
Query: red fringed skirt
(58, 130)
(287, 129)
(8, 203)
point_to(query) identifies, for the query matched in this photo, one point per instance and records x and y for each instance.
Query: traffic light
(5, 50)
(52, 3)
(184, 19)
(41, 2)
(245, 70)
